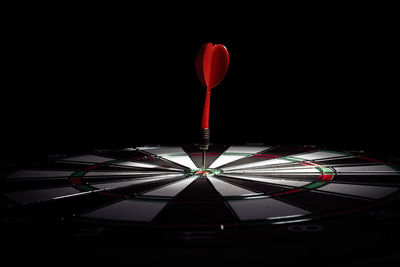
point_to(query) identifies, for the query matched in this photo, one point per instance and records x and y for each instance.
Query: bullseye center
(205, 171)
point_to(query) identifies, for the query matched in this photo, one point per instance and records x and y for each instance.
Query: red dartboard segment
(327, 177)
(76, 181)
(287, 192)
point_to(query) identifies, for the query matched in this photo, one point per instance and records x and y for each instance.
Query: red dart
(212, 63)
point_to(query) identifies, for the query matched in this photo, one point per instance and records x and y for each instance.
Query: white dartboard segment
(283, 171)
(92, 174)
(366, 170)
(142, 165)
(319, 155)
(285, 182)
(131, 182)
(31, 196)
(264, 209)
(257, 164)
(174, 154)
(234, 153)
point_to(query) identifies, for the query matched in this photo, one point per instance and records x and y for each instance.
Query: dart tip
(203, 166)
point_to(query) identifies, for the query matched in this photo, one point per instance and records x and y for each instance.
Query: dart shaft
(205, 131)
(203, 167)
(206, 110)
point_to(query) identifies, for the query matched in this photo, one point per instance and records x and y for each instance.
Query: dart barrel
(205, 138)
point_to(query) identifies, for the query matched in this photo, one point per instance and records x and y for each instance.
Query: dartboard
(166, 186)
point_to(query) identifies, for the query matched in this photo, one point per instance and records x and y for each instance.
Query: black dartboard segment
(163, 186)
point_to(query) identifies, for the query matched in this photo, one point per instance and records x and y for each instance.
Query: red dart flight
(212, 63)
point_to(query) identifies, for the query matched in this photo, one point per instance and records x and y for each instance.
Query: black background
(82, 76)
